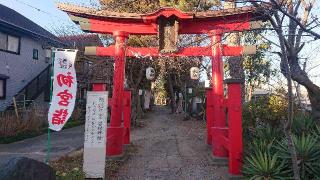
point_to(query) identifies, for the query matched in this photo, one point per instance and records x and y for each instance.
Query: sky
(45, 13)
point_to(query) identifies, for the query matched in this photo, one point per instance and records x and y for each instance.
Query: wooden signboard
(95, 134)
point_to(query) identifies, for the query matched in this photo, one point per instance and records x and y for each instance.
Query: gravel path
(169, 148)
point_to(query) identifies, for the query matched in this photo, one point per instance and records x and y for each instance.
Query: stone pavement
(169, 148)
(62, 143)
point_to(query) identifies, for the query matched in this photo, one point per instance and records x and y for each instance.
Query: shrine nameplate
(95, 134)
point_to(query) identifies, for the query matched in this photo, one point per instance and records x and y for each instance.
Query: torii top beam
(106, 22)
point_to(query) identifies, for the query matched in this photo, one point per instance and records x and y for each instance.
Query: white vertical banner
(95, 134)
(64, 89)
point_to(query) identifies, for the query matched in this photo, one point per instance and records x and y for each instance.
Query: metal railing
(34, 88)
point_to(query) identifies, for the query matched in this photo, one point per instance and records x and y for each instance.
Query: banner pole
(51, 86)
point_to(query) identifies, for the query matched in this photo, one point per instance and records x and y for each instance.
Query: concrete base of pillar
(235, 177)
(121, 157)
(126, 138)
(220, 161)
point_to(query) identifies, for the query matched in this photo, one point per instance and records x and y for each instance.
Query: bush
(30, 120)
(303, 124)
(308, 154)
(267, 155)
(265, 111)
(263, 164)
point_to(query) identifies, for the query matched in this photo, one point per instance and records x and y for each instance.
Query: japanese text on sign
(95, 134)
(64, 89)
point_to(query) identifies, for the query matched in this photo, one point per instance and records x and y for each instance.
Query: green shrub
(303, 124)
(74, 174)
(267, 151)
(263, 164)
(268, 110)
(308, 154)
(262, 137)
(317, 132)
(269, 133)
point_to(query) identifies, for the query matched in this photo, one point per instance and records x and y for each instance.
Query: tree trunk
(250, 92)
(136, 111)
(172, 95)
(293, 153)
(288, 71)
(288, 126)
(134, 107)
(302, 78)
(139, 107)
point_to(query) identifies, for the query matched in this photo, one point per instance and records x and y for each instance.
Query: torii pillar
(217, 90)
(115, 131)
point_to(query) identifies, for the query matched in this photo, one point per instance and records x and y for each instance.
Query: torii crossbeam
(226, 141)
(154, 52)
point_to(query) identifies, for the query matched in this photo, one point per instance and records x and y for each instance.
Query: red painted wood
(127, 117)
(112, 25)
(118, 80)
(217, 87)
(114, 141)
(154, 52)
(116, 148)
(110, 102)
(99, 87)
(232, 50)
(198, 26)
(235, 128)
(227, 24)
(221, 134)
(209, 114)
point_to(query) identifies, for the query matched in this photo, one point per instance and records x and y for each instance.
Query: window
(2, 94)
(13, 44)
(35, 54)
(3, 41)
(3, 80)
(9, 43)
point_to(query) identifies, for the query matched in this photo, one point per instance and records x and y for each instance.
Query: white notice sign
(95, 134)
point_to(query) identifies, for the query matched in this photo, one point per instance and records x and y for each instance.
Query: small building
(25, 53)
(260, 93)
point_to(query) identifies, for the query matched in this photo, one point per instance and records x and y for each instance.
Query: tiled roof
(12, 19)
(85, 11)
(91, 11)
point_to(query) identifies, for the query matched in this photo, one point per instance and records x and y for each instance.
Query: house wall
(21, 68)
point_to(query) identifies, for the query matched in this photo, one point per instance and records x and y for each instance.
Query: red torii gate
(226, 140)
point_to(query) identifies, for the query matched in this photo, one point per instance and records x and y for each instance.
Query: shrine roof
(87, 12)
